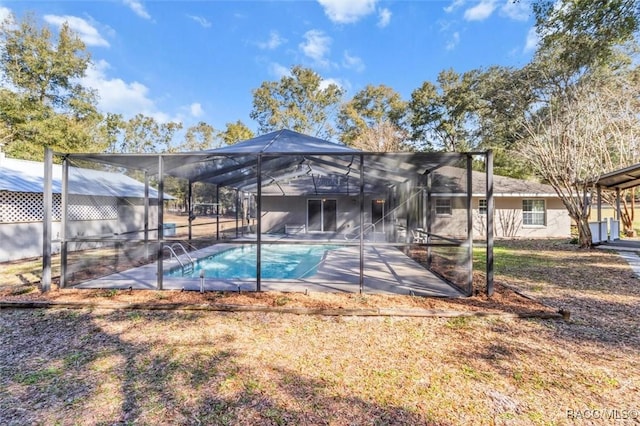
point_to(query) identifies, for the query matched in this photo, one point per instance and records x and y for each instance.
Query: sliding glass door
(322, 215)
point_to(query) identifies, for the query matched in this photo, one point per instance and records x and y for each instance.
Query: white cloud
(516, 10)
(138, 8)
(204, 23)
(196, 110)
(384, 17)
(274, 41)
(279, 70)
(117, 96)
(316, 46)
(87, 32)
(5, 13)
(481, 11)
(326, 82)
(455, 4)
(453, 42)
(532, 40)
(347, 12)
(353, 62)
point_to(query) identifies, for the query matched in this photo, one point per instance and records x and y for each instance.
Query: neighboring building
(101, 204)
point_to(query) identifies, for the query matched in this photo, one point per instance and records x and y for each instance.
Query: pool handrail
(173, 253)
(183, 250)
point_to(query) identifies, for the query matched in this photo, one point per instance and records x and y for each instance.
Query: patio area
(387, 270)
(404, 220)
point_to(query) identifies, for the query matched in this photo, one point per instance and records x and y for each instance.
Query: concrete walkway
(628, 249)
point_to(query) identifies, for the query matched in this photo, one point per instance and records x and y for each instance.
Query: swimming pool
(278, 261)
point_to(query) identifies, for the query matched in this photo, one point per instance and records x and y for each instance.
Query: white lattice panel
(18, 207)
(84, 207)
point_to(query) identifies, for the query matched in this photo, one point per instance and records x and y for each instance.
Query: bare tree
(576, 134)
(383, 136)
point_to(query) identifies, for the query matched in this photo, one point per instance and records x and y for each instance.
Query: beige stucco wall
(507, 219)
(280, 211)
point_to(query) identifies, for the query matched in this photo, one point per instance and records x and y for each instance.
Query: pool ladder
(186, 269)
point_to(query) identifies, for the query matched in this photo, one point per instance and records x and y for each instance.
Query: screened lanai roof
(289, 163)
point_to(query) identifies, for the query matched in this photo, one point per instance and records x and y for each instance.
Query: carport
(618, 180)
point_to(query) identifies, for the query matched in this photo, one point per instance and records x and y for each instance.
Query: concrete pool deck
(386, 271)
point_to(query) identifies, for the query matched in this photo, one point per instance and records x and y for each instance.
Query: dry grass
(60, 366)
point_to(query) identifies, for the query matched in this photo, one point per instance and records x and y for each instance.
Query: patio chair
(418, 237)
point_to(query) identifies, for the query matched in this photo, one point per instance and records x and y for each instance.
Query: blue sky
(193, 61)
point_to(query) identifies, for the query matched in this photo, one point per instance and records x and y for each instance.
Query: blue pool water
(278, 261)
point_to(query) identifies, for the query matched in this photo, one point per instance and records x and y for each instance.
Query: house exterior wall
(508, 219)
(278, 211)
(281, 211)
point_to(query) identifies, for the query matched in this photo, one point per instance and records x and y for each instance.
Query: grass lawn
(101, 366)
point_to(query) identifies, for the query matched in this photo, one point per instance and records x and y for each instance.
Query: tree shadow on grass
(291, 399)
(565, 266)
(66, 367)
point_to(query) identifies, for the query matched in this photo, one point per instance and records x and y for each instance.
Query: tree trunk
(584, 233)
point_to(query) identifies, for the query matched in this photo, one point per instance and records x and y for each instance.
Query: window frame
(530, 214)
(447, 207)
(483, 209)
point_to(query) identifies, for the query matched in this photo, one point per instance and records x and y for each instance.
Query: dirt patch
(504, 300)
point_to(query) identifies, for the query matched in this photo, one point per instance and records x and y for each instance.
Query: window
(443, 206)
(482, 207)
(533, 212)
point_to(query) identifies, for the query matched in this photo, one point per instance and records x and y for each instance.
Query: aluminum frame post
(190, 208)
(64, 199)
(259, 226)
(237, 213)
(217, 212)
(469, 225)
(361, 223)
(146, 213)
(160, 236)
(47, 196)
(490, 224)
(429, 221)
(599, 215)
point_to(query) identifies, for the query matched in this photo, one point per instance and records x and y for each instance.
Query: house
(289, 188)
(318, 194)
(100, 203)
(522, 208)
